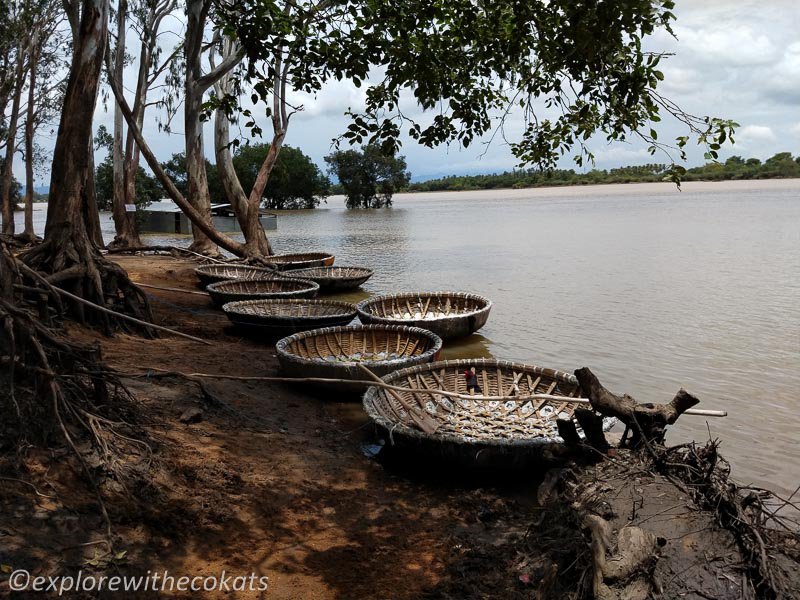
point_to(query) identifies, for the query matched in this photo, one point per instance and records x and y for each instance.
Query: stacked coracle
(489, 412)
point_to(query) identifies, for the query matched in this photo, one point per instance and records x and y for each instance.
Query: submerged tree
(295, 181)
(369, 177)
(148, 190)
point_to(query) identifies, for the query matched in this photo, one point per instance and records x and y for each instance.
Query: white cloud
(727, 46)
(782, 82)
(756, 133)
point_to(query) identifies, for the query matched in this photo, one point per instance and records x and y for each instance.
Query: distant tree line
(781, 165)
(295, 182)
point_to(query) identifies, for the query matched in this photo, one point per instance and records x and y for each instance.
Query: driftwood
(645, 421)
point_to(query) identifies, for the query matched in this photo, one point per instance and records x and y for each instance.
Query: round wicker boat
(213, 273)
(333, 279)
(301, 260)
(286, 316)
(223, 292)
(447, 314)
(337, 352)
(476, 431)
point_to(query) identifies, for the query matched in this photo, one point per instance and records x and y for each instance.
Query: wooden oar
(421, 418)
(390, 388)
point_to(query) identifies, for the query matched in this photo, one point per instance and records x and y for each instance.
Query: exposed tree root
(55, 390)
(76, 266)
(623, 561)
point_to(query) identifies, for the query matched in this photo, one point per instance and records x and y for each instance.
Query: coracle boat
(223, 292)
(333, 279)
(475, 430)
(447, 314)
(337, 352)
(301, 260)
(283, 317)
(208, 274)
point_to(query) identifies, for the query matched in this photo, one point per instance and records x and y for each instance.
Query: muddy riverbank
(268, 479)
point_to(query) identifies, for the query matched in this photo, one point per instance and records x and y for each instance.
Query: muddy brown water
(652, 288)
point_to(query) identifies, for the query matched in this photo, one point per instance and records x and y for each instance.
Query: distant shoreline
(609, 189)
(602, 184)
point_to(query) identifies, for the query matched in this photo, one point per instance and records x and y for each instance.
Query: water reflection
(474, 346)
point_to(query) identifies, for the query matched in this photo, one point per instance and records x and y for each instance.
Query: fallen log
(646, 422)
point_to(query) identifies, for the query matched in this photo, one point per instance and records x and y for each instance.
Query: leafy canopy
(368, 177)
(572, 68)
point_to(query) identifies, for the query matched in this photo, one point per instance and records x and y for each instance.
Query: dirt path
(271, 480)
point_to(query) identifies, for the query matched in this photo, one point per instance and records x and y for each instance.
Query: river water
(652, 288)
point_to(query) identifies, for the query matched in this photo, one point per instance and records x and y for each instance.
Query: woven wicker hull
(447, 314)
(475, 432)
(223, 292)
(279, 318)
(208, 274)
(333, 279)
(336, 352)
(285, 262)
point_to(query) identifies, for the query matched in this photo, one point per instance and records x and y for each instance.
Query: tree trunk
(124, 220)
(69, 252)
(29, 234)
(131, 228)
(199, 197)
(11, 146)
(246, 209)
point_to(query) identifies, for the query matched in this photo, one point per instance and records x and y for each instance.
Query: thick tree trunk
(69, 253)
(196, 13)
(11, 146)
(72, 156)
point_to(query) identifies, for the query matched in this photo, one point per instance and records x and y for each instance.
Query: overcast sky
(737, 60)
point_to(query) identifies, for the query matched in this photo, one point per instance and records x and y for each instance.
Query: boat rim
(281, 345)
(216, 285)
(348, 308)
(485, 308)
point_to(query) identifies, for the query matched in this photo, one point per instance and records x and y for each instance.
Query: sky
(736, 60)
